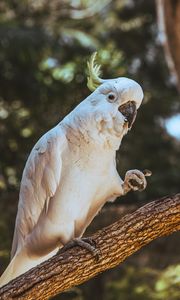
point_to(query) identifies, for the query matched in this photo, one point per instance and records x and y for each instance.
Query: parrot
(71, 173)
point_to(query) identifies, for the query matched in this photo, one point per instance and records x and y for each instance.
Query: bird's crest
(93, 80)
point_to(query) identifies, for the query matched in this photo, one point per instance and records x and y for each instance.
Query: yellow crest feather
(93, 80)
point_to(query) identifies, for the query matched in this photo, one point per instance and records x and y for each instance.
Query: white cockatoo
(71, 173)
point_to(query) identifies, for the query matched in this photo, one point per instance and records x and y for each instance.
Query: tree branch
(115, 243)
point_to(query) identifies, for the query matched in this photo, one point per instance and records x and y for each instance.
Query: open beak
(129, 110)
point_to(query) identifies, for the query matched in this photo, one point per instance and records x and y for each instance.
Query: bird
(71, 173)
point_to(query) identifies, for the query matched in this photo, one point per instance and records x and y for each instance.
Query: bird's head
(110, 110)
(115, 101)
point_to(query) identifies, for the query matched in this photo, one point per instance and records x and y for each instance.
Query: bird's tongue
(129, 110)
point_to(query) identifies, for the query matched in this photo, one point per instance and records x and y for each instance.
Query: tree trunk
(168, 12)
(115, 243)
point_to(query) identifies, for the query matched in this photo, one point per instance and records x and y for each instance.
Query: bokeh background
(44, 46)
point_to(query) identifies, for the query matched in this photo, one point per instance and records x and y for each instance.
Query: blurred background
(44, 47)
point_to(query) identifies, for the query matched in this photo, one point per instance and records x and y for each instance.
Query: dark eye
(111, 97)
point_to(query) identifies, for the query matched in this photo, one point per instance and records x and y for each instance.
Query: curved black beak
(129, 110)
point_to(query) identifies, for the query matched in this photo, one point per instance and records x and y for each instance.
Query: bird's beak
(129, 110)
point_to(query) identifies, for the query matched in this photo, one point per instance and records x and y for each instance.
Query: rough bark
(115, 243)
(168, 12)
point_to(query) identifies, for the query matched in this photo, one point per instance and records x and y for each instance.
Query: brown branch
(115, 243)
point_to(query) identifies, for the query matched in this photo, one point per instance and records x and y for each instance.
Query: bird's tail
(20, 264)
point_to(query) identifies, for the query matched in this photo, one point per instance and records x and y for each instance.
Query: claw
(87, 243)
(135, 180)
(136, 185)
(90, 241)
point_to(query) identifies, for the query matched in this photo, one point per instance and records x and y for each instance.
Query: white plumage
(70, 174)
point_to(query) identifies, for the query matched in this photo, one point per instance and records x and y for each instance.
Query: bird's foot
(134, 180)
(86, 243)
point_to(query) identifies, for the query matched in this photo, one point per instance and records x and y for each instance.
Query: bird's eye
(111, 97)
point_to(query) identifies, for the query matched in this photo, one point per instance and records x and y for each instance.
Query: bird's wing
(40, 180)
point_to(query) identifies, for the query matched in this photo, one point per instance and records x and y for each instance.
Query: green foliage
(146, 284)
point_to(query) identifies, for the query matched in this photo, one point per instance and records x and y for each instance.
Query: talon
(135, 180)
(86, 243)
(147, 172)
(135, 184)
(90, 241)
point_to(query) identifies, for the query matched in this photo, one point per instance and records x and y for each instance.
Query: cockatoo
(71, 173)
